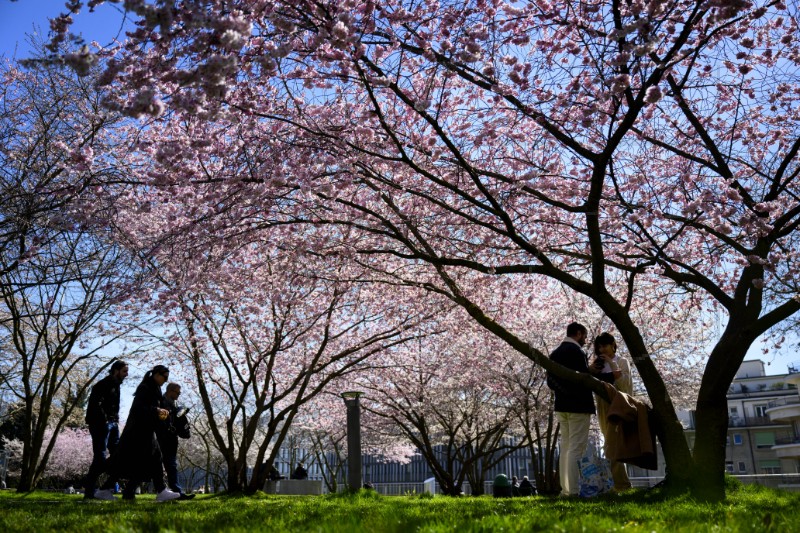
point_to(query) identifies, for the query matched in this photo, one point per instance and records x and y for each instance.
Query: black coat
(571, 397)
(170, 429)
(138, 446)
(526, 488)
(300, 473)
(103, 406)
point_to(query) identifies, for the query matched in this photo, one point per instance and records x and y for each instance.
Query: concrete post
(351, 400)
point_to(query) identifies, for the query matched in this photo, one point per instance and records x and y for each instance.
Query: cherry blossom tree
(265, 335)
(328, 446)
(60, 275)
(629, 150)
(69, 457)
(532, 407)
(321, 429)
(471, 394)
(446, 400)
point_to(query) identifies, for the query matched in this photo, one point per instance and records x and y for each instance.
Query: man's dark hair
(116, 365)
(574, 328)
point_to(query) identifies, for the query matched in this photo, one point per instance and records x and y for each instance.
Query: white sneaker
(104, 494)
(167, 495)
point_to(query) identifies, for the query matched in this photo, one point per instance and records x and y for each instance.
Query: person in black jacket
(176, 425)
(574, 406)
(300, 472)
(525, 487)
(102, 417)
(138, 456)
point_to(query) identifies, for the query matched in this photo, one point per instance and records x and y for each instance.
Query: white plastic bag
(595, 476)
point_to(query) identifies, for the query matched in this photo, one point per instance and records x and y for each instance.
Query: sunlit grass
(750, 508)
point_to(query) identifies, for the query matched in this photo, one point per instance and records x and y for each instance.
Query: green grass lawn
(749, 508)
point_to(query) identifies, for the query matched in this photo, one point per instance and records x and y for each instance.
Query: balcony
(784, 410)
(794, 374)
(750, 421)
(737, 421)
(787, 448)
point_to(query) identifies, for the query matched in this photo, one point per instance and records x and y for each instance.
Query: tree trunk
(475, 479)
(30, 457)
(26, 481)
(545, 467)
(449, 488)
(677, 456)
(206, 484)
(708, 481)
(711, 414)
(447, 482)
(259, 477)
(667, 427)
(237, 475)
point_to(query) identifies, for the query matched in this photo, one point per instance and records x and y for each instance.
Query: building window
(729, 467)
(770, 466)
(734, 411)
(765, 440)
(760, 410)
(742, 467)
(737, 439)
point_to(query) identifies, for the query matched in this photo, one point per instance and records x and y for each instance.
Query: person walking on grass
(574, 407)
(176, 425)
(138, 456)
(102, 417)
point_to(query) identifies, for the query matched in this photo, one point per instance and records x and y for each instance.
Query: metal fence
(405, 489)
(789, 482)
(773, 481)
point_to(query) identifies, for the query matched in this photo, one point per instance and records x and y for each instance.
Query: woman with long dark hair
(138, 456)
(614, 369)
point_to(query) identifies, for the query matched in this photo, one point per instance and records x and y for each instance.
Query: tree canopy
(637, 152)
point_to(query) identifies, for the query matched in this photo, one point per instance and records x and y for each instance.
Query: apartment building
(763, 423)
(756, 427)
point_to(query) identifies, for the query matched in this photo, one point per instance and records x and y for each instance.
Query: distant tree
(199, 461)
(11, 422)
(70, 457)
(321, 429)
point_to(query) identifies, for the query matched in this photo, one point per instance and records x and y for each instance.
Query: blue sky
(24, 16)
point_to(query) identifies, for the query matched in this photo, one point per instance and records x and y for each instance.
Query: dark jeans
(171, 469)
(105, 437)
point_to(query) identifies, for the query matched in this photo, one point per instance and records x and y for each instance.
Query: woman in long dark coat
(138, 457)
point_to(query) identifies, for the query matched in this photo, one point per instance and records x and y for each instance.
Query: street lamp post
(351, 400)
